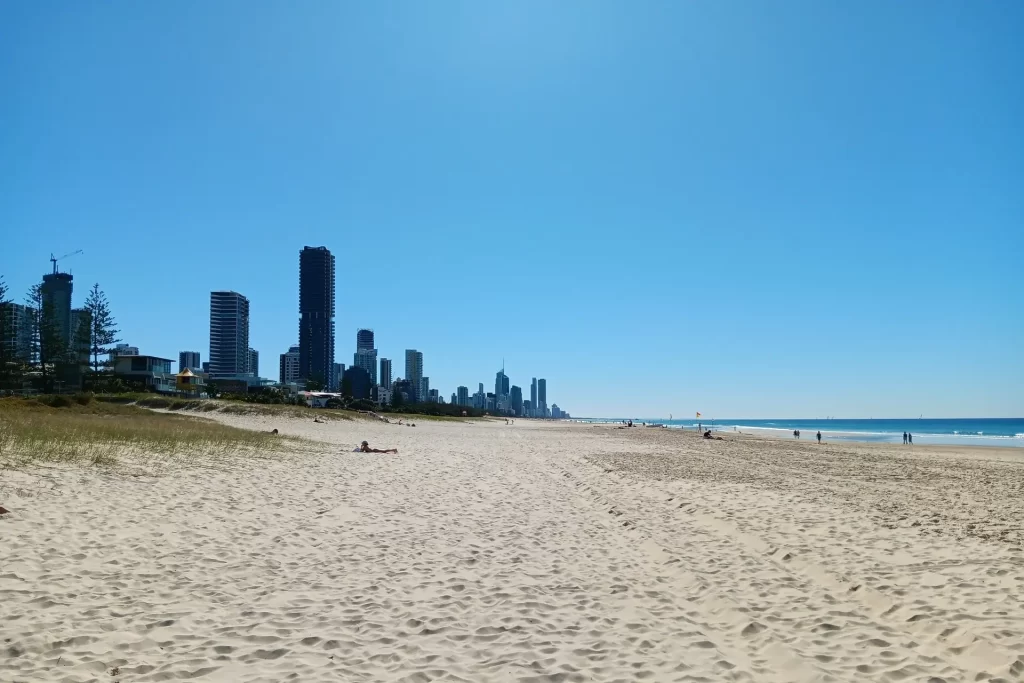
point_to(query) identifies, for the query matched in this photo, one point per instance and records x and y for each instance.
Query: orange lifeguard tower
(188, 383)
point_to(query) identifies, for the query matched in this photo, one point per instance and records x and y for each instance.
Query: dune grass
(207, 405)
(96, 432)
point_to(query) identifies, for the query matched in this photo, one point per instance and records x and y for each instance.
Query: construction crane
(54, 260)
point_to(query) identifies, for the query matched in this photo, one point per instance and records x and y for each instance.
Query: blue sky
(749, 209)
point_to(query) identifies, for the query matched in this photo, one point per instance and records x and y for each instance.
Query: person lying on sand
(365, 448)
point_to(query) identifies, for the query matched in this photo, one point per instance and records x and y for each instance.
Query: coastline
(867, 431)
(537, 551)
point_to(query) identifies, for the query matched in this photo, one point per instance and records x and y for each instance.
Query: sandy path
(490, 553)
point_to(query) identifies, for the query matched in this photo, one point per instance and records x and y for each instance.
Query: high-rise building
(289, 371)
(366, 355)
(316, 315)
(229, 334)
(424, 394)
(385, 372)
(56, 303)
(367, 360)
(16, 331)
(462, 396)
(404, 390)
(190, 360)
(123, 349)
(433, 396)
(339, 374)
(516, 401)
(254, 362)
(414, 370)
(501, 383)
(533, 394)
(357, 381)
(542, 398)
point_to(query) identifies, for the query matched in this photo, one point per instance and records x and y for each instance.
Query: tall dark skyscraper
(385, 372)
(501, 383)
(190, 360)
(316, 315)
(533, 393)
(516, 400)
(364, 339)
(56, 289)
(542, 396)
(414, 371)
(366, 356)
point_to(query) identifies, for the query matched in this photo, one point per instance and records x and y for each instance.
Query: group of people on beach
(908, 438)
(796, 434)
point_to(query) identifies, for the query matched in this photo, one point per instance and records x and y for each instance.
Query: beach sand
(533, 552)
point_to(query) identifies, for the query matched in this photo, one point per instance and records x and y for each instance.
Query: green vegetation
(446, 410)
(52, 361)
(101, 335)
(81, 429)
(271, 397)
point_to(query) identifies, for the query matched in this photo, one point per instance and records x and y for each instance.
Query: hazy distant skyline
(790, 210)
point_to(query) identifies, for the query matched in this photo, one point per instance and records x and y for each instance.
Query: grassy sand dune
(78, 429)
(221, 406)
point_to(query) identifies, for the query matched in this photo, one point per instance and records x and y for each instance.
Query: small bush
(83, 399)
(163, 403)
(57, 401)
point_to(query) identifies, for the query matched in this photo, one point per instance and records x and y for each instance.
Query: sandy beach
(530, 552)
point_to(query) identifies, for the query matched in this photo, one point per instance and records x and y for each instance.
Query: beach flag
(698, 414)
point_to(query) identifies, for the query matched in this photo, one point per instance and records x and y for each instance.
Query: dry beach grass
(537, 552)
(66, 429)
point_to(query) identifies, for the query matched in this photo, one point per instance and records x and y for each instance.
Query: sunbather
(365, 448)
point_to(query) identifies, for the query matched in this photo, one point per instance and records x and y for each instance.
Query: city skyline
(680, 207)
(233, 361)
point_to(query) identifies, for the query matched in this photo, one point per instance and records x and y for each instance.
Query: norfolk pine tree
(103, 329)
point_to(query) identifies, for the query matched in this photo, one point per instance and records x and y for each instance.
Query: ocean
(972, 431)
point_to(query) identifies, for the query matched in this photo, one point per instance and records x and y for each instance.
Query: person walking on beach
(910, 438)
(819, 436)
(904, 438)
